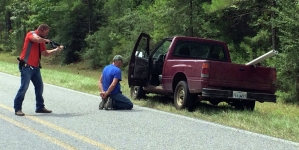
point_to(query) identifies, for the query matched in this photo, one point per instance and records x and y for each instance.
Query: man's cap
(118, 57)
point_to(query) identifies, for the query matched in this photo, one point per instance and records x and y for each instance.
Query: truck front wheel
(137, 92)
(182, 96)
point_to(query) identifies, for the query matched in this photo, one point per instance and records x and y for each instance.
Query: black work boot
(102, 103)
(108, 104)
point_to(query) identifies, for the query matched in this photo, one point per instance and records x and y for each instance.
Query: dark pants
(120, 101)
(27, 74)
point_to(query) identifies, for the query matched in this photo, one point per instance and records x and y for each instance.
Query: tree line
(95, 30)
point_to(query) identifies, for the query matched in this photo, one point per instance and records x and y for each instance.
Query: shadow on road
(57, 115)
(124, 110)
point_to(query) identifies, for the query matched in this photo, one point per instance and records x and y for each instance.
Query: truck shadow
(207, 108)
(155, 101)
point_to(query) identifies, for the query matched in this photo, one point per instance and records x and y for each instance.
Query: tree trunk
(89, 16)
(273, 16)
(8, 21)
(297, 88)
(191, 32)
(8, 25)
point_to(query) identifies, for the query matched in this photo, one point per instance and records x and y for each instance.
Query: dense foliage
(95, 30)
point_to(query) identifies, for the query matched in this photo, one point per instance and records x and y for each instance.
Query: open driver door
(138, 74)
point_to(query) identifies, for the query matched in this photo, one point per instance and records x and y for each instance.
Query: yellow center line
(63, 130)
(45, 136)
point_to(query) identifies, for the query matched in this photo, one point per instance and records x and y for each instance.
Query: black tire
(249, 105)
(182, 96)
(245, 105)
(137, 92)
(214, 102)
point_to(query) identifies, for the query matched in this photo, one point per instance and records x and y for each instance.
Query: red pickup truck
(191, 68)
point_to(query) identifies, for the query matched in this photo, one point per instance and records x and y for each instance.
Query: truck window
(182, 49)
(192, 49)
(199, 50)
(217, 52)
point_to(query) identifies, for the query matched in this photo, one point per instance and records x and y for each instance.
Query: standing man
(109, 86)
(29, 65)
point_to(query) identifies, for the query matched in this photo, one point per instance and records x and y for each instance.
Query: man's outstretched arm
(52, 51)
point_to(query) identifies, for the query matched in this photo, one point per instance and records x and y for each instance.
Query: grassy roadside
(278, 120)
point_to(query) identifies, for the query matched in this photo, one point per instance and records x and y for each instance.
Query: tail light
(273, 87)
(274, 76)
(205, 70)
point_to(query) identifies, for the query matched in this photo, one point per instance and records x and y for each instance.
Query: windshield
(162, 49)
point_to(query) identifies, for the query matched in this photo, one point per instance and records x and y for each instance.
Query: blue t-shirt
(109, 73)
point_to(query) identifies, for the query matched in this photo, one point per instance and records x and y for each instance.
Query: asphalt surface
(76, 123)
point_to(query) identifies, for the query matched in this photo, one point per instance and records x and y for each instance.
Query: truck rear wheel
(137, 92)
(245, 104)
(214, 102)
(182, 96)
(249, 105)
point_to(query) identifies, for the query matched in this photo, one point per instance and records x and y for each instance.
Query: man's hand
(60, 47)
(47, 40)
(103, 95)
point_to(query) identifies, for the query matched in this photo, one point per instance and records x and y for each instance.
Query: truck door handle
(241, 69)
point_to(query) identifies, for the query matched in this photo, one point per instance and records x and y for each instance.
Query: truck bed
(228, 76)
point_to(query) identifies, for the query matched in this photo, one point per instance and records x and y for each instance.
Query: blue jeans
(119, 101)
(27, 74)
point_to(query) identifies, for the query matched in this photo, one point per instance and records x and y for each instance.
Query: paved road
(76, 123)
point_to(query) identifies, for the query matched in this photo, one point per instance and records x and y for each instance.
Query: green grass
(273, 119)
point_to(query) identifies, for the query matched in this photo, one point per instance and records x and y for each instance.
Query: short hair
(118, 57)
(43, 27)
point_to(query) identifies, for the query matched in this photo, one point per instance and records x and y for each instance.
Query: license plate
(239, 95)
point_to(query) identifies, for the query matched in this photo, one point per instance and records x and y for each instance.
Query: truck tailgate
(237, 76)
